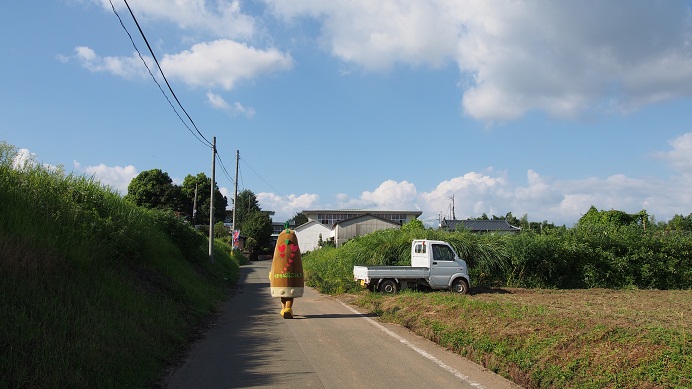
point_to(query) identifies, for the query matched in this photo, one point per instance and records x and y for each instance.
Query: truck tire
(460, 286)
(388, 287)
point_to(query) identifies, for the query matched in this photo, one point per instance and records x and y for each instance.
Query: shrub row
(587, 256)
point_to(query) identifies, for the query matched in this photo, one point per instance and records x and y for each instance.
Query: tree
(258, 228)
(245, 207)
(203, 184)
(681, 223)
(613, 217)
(154, 189)
(414, 225)
(299, 219)
(512, 220)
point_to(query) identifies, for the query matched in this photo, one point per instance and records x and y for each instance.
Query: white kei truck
(434, 265)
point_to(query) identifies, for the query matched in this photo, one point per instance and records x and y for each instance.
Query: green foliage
(191, 243)
(96, 290)
(154, 189)
(590, 255)
(299, 219)
(331, 269)
(258, 229)
(203, 185)
(612, 217)
(680, 223)
(413, 226)
(246, 205)
(221, 231)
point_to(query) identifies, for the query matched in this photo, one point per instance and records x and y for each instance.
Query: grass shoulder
(592, 338)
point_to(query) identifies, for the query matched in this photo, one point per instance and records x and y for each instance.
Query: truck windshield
(442, 253)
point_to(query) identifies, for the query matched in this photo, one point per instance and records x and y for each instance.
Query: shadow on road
(239, 350)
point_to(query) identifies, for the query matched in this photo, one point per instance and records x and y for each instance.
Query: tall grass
(96, 292)
(331, 269)
(589, 256)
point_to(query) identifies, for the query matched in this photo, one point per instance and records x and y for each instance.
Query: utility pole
(235, 194)
(211, 201)
(454, 217)
(194, 210)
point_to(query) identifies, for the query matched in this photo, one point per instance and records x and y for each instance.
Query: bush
(586, 256)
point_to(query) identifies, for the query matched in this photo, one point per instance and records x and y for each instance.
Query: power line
(198, 134)
(223, 167)
(265, 181)
(161, 70)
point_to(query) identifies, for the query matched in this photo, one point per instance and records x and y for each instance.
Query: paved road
(327, 345)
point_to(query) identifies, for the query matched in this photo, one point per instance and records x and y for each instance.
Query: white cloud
(219, 63)
(494, 193)
(491, 192)
(680, 157)
(378, 34)
(117, 177)
(563, 58)
(286, 206)
(24, 159)
(390, 195)
(222, 63)
(218, 102)
(126, 67)
(221, 18)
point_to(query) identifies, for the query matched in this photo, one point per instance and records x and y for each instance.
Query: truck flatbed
(400, 272)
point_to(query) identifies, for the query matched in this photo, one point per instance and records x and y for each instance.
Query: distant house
(309, 235)
(343, 225)
(480, 226)
(346, 230)
(330, 217)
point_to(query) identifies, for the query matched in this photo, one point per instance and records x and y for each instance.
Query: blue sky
(509, 106)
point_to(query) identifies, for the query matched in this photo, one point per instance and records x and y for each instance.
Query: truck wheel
(460, 286)
(388, 287)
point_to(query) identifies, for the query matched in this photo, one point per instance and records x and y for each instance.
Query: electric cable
(151, 51)
(223, 167)
(122, 24)
(265, 181)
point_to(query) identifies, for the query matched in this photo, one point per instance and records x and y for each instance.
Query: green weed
(96, 291)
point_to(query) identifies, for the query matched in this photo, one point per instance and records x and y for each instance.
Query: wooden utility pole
(235, 194)
(211, 201)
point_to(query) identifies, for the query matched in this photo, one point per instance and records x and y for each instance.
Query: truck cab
(438, 256)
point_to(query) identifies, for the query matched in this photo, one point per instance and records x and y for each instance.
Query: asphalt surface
(328, 344)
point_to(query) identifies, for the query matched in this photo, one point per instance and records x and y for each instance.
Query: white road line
(432, 358)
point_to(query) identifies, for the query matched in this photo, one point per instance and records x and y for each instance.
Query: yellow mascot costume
(286, 276)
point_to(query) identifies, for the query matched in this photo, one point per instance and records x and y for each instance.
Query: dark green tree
(258, 229)
(681, 223)
(245, 207)
(155, 189)
(613, 217)
(512, 220)
(299, 218)
(203, 184)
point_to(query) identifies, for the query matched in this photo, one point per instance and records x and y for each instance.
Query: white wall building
(309, 234)
(343, 225)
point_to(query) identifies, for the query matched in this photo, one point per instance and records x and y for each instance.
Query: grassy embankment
(539, 338)
(96, 292)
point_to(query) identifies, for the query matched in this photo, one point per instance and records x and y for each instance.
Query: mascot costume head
(286, 276)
